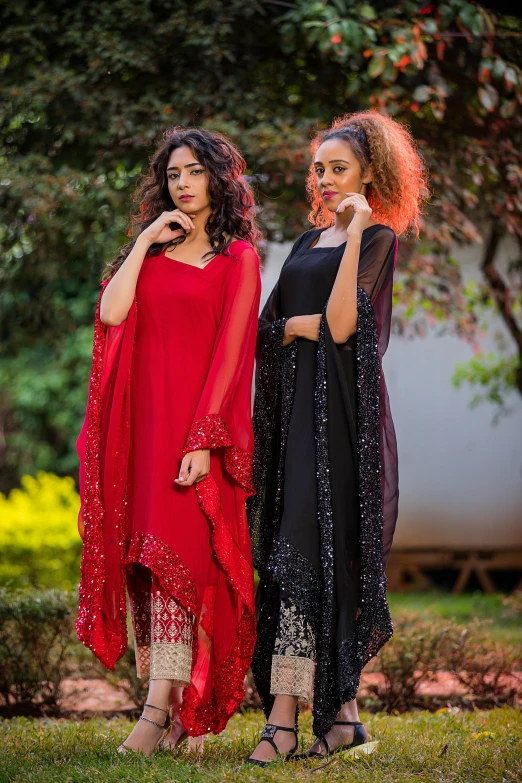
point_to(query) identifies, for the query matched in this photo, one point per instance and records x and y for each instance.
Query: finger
(348, 202)
(194, 473)
(184, 469)
(176, 216)
(184, 218)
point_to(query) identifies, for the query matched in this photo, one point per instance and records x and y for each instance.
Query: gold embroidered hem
(162, 630)
(294, 676)
(170, 661)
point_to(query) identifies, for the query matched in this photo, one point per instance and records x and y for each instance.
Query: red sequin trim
(90, 625)
(228, 690)
(211, 433)
(171, 571)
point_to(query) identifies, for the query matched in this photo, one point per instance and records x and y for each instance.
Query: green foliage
(39, 538)
(87, 88)
(36, 629)
(494, 376)
(423, 646)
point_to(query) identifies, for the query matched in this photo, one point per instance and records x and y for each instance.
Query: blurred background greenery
(87, 89)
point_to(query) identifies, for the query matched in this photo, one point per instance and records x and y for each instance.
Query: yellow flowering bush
(39, 541)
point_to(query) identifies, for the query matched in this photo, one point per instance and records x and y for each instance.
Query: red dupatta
(222, 421)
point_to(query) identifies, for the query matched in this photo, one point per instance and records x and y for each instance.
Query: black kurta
(326, 467)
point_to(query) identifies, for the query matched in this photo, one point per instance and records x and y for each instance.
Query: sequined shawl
(281, 565)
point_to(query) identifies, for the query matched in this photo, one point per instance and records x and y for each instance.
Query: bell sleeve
(223, 414)
(375, 278)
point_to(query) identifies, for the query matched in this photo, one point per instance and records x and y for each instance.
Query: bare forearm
(341, 311)
(119, 293)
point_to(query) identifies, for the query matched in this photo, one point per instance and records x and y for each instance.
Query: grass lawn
(433, 748)
(503, 626)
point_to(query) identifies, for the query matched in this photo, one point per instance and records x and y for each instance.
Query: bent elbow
(341, 336)
(110, 319)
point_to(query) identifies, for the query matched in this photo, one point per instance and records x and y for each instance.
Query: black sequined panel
(296, 577)
(267, 440)
(272, 412)
(373, 627)
(326, 698)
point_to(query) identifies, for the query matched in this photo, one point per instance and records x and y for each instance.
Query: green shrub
(414, 655)
(484, 667)
(36, 633)
(39, 541)
(422, 647)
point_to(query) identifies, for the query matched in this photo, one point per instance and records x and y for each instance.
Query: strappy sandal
(360, 737)
(268, 735)
(166, 726)
(171, 746)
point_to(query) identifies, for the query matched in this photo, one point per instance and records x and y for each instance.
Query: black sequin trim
(326, 701)
(373, 626)
(270, 388)
(296, 576)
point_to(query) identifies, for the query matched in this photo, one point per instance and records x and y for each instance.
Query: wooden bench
(407, 568)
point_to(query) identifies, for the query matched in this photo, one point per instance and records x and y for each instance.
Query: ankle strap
(347, 723)
(270, 730)
(153, 706)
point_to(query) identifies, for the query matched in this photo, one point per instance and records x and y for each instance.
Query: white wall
(460, 476)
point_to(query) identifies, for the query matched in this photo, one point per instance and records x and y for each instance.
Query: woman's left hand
(362, 212)
(195, 465)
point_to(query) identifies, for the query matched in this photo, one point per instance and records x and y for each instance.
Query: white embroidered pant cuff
(293, 661)
(162, 632)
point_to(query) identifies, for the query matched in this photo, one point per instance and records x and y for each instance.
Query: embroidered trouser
(162, 630)
(293, 661)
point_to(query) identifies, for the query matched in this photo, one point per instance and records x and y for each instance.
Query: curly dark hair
(231, 197)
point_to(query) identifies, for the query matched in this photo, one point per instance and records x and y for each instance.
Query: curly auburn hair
(231, 197)
(399, 183)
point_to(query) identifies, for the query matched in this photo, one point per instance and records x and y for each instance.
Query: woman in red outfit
(166, 446)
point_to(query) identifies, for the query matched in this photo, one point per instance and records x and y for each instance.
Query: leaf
(510, 76)
(376, 66)
(488, 97)
(422, 93)
(367, 12)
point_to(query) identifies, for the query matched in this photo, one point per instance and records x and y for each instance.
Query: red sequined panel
(211, 433)
(90, 625)
(172, 573)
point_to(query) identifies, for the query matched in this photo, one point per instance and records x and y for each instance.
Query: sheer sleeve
(375, 277)
(223, 413)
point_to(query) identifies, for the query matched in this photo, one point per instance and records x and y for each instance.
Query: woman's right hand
(160, 231)
(306, 326)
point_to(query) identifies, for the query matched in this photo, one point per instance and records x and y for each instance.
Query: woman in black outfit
(325, 459)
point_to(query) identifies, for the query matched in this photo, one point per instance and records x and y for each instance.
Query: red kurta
(175, 377)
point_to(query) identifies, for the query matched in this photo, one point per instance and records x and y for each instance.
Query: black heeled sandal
(360, 737)
(268, 735)
(165, 725)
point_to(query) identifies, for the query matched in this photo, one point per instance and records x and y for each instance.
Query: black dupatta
(279, 563)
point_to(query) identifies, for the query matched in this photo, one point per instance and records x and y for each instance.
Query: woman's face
(188, 181)
(338, 172)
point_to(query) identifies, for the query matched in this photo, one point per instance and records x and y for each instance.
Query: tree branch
(500, 294)
(499, 290)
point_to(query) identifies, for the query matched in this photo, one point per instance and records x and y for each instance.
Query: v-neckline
(192, 266)
(197, 269)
